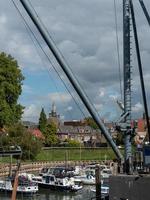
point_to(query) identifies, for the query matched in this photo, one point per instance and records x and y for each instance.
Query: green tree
(19, 135)
(10, 88)
(31, 146)
(90, 122)
(50, 134)
(42, 121)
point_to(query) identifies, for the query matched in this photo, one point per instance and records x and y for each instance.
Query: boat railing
(10, 150)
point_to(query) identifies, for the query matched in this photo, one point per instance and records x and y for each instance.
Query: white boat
(104, 191)
(46, 170)
(85, 179)
(105, 173)
(26, 187)
(67, 171)
(87, 176)
(57, 183)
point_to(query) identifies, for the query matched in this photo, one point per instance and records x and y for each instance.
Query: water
(85, 193)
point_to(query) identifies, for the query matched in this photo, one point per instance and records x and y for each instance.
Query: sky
(84, 32)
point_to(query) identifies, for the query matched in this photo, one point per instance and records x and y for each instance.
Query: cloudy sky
(84, 31)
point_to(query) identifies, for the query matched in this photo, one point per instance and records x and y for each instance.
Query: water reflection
(85, 193)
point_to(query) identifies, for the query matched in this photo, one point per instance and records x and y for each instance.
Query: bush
(30, 145)
(73, 143)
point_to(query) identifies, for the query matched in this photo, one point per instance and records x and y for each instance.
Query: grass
(57, 154)
(74, 154)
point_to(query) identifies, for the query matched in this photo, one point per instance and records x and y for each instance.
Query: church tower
(53, 116)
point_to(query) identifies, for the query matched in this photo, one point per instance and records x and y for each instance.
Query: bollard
(98, 182)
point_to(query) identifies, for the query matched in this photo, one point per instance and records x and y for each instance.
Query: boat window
(44, 170)
(107, 171)
(104, 190)
(51, 178)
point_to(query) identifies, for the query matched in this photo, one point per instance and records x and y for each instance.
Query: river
(85, 193)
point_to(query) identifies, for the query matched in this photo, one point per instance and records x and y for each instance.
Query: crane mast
(127, 83)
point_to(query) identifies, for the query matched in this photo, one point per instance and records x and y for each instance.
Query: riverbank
(37, 166)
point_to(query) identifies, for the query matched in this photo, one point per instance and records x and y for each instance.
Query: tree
(10, 88)
(42, 121)
(50, 134)
(19, 135)
(90, 122)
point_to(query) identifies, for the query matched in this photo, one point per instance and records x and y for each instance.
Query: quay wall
(37, 166)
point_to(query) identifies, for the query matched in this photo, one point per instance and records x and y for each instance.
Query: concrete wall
(123, 187)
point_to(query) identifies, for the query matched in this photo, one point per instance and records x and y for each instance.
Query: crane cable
(29, 29)
(118, 49)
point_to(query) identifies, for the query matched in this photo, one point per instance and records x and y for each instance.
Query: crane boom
(71, 77)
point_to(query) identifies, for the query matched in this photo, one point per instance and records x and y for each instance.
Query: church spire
(53, 107)
(53, 111)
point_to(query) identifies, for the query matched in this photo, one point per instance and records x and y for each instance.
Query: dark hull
(55, 187)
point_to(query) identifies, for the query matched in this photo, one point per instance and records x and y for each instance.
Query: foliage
(119, 139)
(73, 143)
(90, 122)
(31, 146)
(10, 88)
(42, 121)
(19, 135)
(50, 134)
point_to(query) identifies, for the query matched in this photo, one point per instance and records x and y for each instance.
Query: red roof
(141, 125)
(37, 133)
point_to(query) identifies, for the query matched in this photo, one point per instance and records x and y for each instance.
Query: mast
(127, 83)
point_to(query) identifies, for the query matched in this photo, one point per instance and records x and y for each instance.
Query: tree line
(12, 132)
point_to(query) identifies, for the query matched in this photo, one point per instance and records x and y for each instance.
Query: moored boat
(24, 186)
(104, 191)
(55, 183)
(85, 179)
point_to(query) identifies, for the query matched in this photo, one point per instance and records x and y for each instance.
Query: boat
(87, 177)
(105, 173)
(86, 180)
(59, 171)
(104, 191)
(57, 183)
(25, 186)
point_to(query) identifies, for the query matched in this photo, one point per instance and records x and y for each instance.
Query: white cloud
(101, 92)
(138, 107)
(59, 97)
(114, 97)
(26, 89)
(69, 108)
(31, 112)
(98, 107)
